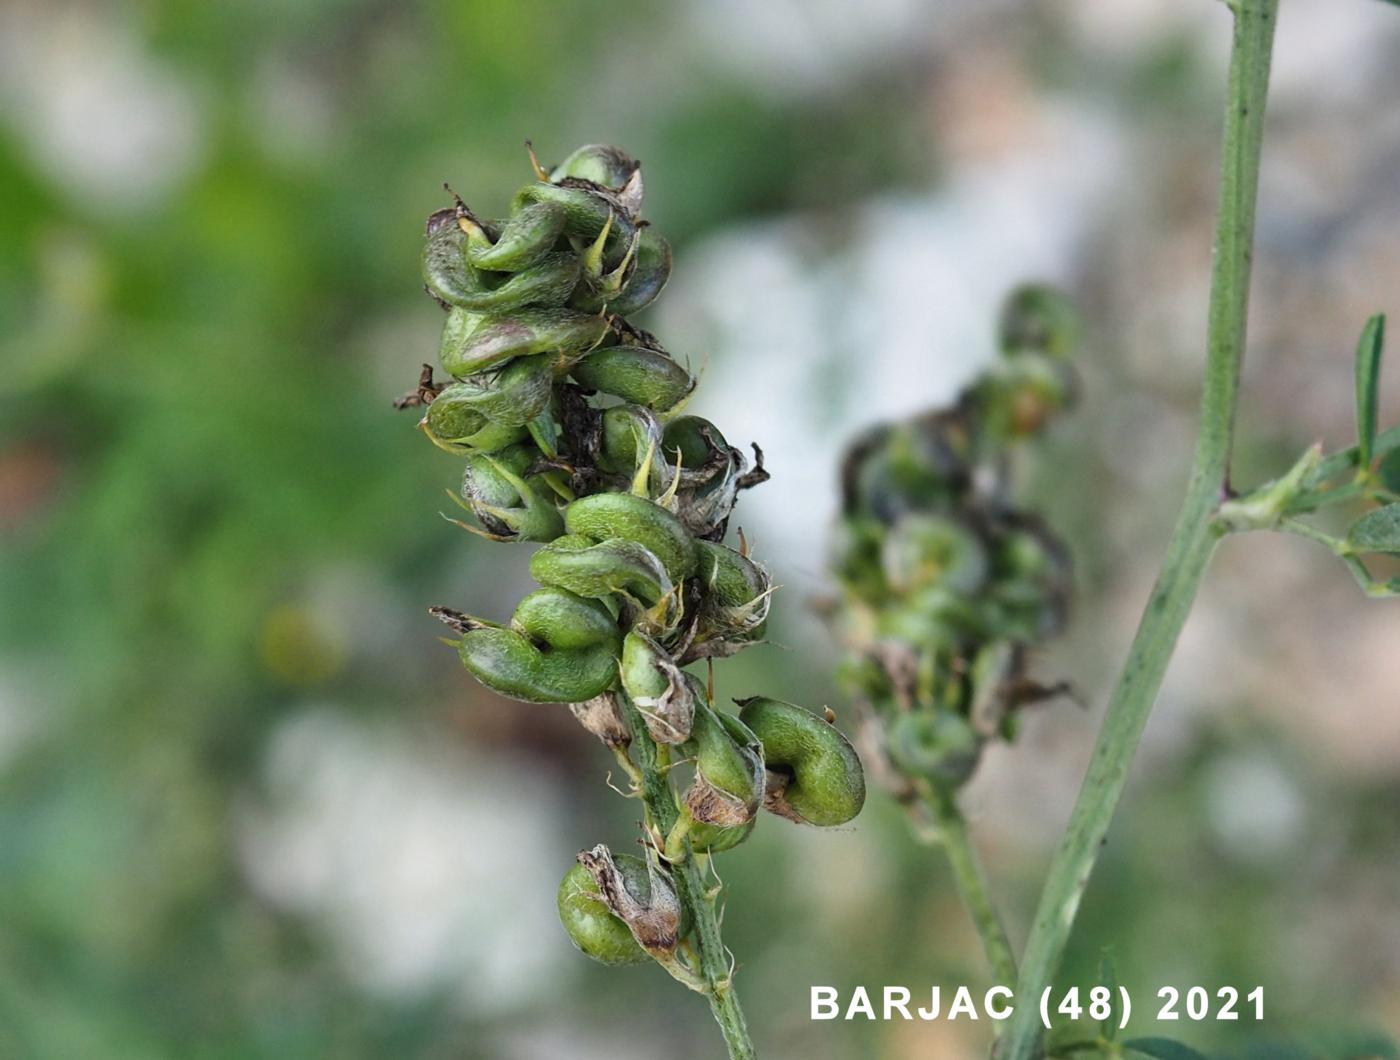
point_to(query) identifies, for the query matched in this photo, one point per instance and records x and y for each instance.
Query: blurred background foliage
(249, 807)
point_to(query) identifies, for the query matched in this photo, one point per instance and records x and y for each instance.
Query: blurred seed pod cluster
(945, 585)
(569, 420)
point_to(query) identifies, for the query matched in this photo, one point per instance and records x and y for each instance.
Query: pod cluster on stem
(570, 422)
(945, 583)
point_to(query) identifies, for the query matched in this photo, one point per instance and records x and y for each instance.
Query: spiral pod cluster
(945, 585)
(569, 421)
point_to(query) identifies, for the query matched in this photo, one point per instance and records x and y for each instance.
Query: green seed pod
(462, 414)
(641, 376)
(629, 433)
(599, 164)
(641, 896)
(658, 687)
(450, 276)
(525, 238)
(601, 569)
(649, 274)
(939, 745)
(728, 769)
(814, 775)
(712, 839)
(566, 333)
(591, 924)
(1038, 317)
(922, 551)
(508, 503)
(736, 593)
(710, 470)
(458, 428)
(587, 213)
(605, 516)
(561, 648)
(546, 283)
(694, 440)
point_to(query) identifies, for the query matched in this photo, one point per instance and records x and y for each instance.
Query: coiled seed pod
(478, 343)
(606, 516)
(602, 569)
(561, 648)
(526, 237)
(510, 502)
(814, 775)
(644, 377)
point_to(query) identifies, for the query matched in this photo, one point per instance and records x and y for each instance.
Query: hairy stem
(1193, 540)
(971, 882)
(662, 814)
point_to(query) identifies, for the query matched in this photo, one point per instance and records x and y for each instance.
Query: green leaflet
(1376, 531)
(1368, 368)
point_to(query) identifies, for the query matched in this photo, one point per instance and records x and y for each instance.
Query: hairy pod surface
(562, 648)
(819, 776)
(644, 377)
(591, 924)
(607, 516)
(602, 569)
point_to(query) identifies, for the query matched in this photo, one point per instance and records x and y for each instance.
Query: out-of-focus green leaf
(1377, 531)
(1162, 1049)
(1368, 370)
(1322, 1045)
(1388, 471)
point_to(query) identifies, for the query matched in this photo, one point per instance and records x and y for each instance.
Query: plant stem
(662, 814)
(1193, 540)
(971, 882)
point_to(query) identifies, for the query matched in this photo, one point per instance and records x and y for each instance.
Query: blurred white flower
(431, 869)
(99, 114)
(1254, 807)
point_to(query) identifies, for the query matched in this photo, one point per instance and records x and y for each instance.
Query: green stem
(1193, 540)
(971, 881)
(662, 815)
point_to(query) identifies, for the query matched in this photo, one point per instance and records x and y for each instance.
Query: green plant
(569, 420)
(945, 585)
(1364, 474)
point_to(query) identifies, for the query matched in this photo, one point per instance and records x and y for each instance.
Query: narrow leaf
(1388, 470)
(1368, 370)
(1377, 531)
(1163, 1049)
